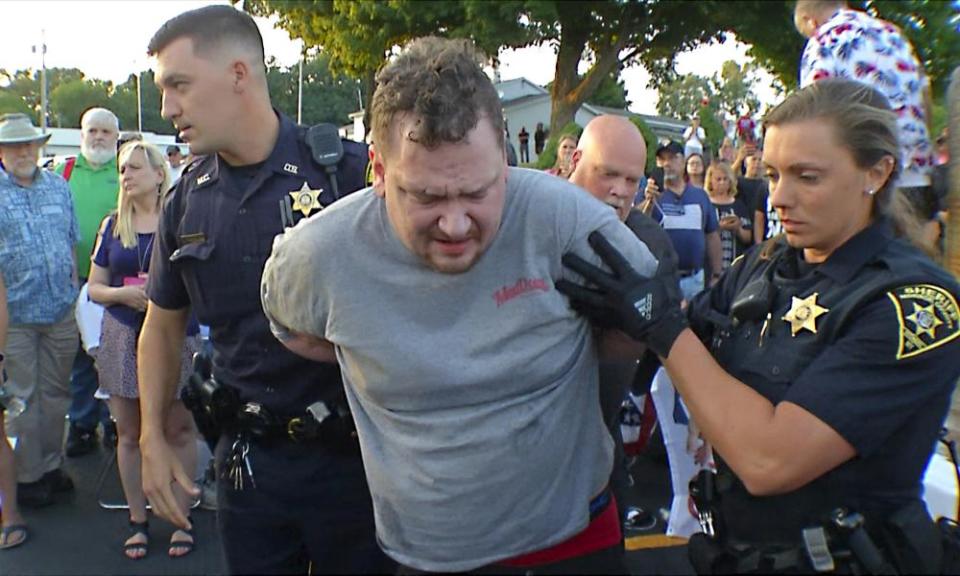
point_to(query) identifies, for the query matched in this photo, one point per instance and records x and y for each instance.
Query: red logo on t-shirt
(523, 285)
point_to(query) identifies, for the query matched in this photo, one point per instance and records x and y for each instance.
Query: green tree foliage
(733, 89)
(606, 35)
(611, 92)
(650, 139)
(727, 94)
(711, 126)
(326, 97)
(69, 100)
(767, 26)
(10, 102)
(25, 85)
(681, 98)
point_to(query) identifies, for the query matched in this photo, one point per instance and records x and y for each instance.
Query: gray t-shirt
(474, 394)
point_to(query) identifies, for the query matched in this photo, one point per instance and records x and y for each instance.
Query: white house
(526, 104)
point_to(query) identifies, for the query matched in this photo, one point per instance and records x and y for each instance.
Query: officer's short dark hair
(441, 82)
(209, 27)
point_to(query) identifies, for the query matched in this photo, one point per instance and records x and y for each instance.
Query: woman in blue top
(118, 273)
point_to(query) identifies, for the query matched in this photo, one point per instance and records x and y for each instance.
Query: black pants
(615, 381)
(310, 504)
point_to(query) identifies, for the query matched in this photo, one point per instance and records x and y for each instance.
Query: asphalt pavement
(77, 536)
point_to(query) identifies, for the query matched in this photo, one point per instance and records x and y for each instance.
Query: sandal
(184, 547)
(9, 536)
(137, 529)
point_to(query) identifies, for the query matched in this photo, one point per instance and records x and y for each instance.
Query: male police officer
(285, 494)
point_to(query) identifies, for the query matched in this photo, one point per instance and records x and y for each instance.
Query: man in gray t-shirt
(472, 383)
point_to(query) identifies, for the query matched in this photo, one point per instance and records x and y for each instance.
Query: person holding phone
(118, 274)
(688, 217)
(736, 224)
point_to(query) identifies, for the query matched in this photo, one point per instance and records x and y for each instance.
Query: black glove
(646, 309)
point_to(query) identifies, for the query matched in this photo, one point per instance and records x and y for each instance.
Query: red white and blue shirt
(856, 46)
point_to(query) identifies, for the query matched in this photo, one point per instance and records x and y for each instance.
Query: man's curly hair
(441, 83)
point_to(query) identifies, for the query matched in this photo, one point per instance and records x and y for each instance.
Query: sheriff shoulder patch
(929, 318)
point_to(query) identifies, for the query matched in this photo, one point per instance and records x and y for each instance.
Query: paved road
(76, 536)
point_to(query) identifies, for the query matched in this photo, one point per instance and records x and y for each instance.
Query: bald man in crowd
(609, 163)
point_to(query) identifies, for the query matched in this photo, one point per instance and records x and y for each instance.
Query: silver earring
(870, 192)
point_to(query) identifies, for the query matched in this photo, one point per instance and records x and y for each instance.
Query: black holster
(912, 540)
(213, 406)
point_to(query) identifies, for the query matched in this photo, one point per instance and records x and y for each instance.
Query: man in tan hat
(38, 236)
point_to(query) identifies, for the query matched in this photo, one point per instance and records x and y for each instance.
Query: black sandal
(185, 545)
(137, 528)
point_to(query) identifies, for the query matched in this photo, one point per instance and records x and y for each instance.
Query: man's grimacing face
(444, 204)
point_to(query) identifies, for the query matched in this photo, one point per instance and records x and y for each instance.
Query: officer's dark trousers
(310, 504)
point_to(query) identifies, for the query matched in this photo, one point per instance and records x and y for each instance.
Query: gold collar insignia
(803, 314)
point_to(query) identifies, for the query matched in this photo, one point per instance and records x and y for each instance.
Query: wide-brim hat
(18, 129)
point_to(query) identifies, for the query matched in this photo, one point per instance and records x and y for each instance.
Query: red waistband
(602, 532)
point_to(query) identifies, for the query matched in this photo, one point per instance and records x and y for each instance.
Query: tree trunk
(367, 85)
(952, 256)
(569, 91)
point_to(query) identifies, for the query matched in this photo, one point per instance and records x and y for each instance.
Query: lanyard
(143, 258)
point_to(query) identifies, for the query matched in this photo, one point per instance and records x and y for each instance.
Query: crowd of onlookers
(80, 238)
(75, 246)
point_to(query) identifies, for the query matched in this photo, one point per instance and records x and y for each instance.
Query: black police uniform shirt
(216, 231)
(868, 342)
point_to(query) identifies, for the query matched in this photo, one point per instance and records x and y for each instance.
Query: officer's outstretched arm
(772, 449)
(158, 371)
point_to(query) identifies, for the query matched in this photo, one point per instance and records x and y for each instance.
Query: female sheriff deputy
(821, 366)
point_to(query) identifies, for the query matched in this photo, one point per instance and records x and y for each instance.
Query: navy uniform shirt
(868, 342)
(215, 234)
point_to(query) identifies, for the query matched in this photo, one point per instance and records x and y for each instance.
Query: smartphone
(656, 174)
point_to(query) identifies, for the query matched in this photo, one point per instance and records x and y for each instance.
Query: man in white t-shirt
(693, 138)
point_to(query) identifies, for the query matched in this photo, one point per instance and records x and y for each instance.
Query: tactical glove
(646, 309)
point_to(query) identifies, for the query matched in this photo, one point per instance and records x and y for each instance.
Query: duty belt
(316, 422)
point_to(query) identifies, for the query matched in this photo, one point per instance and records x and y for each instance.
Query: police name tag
(929, 318)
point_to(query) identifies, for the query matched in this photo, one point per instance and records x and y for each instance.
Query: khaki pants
(38, 361)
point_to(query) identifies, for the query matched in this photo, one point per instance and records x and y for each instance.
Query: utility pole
(139, 104)
(43, 79)
(303, 54)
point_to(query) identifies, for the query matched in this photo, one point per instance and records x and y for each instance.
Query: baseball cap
(671, 147)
